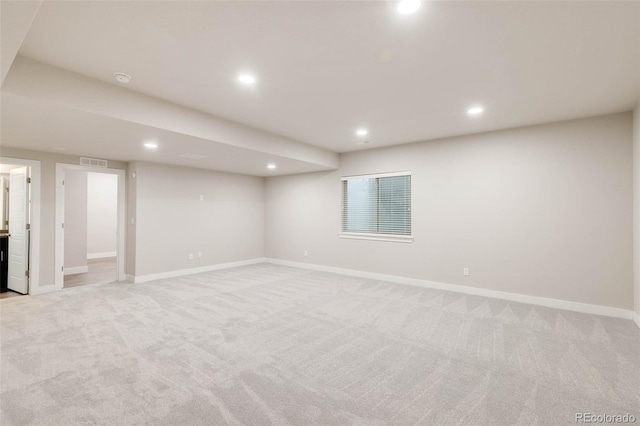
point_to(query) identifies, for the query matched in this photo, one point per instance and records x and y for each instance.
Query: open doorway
(89, 225)
(15, 224)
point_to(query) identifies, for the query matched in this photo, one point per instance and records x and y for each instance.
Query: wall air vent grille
(95, 162)
(192, 156)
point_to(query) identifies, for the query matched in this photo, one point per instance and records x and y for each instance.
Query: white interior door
(19, 240)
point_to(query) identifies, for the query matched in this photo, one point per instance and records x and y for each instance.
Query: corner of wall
(264, 216)
(636, 213)
(131, 219)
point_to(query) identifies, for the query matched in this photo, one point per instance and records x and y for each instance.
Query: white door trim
(34, 249)
(121, 228)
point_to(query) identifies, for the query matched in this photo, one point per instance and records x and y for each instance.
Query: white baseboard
(181, 272)
(76, 270)
(101, 255)
(522, 298)
(514, 297)
(42, 290)
(130, 278)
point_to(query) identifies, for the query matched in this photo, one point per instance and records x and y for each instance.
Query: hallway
(101, 271)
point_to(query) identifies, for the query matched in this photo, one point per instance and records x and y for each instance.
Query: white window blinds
(377, 204)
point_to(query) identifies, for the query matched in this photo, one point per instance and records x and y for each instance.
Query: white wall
(543, 210)
(102, 215)
(636, 210)
(172, 222)
(75, 221)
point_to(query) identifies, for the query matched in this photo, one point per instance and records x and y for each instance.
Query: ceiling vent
(192, 156)
(95, 162)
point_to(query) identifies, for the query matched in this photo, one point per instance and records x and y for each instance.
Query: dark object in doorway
(4, 262)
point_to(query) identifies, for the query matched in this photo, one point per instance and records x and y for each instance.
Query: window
(377, 207)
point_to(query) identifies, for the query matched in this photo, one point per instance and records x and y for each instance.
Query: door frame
(34, 219)
(121, 225)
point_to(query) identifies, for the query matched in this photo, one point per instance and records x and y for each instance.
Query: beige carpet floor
(267, 344)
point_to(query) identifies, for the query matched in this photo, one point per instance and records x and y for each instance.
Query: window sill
(377, 237)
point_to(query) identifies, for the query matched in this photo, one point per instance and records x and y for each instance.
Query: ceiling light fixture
(247, 79)
(122, 77)
(406, 7)
(475, 110)
(271, 166)
(362, 132)
(150, 145)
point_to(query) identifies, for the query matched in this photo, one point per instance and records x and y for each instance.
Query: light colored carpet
(267, 344)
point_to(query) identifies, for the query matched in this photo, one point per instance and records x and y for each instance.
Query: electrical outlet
(202, 198)
(190, 256)
(466, 272)
(306, 253)
(199, 254)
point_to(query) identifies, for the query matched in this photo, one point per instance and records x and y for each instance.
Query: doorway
(20, 237)
(15, 223)
(89, 225)
(90, 228)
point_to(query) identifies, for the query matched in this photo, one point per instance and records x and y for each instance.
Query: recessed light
(406, 7)
(150, 145)
(122, 77)
(362, 132)
(271, 166)
(246, 79)
(475, 110)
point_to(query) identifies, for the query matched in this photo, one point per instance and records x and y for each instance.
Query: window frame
(370, 235)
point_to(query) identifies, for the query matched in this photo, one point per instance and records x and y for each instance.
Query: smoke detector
(122, 77)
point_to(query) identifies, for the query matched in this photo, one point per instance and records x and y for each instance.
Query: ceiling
(45, 126)
(327, 68)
